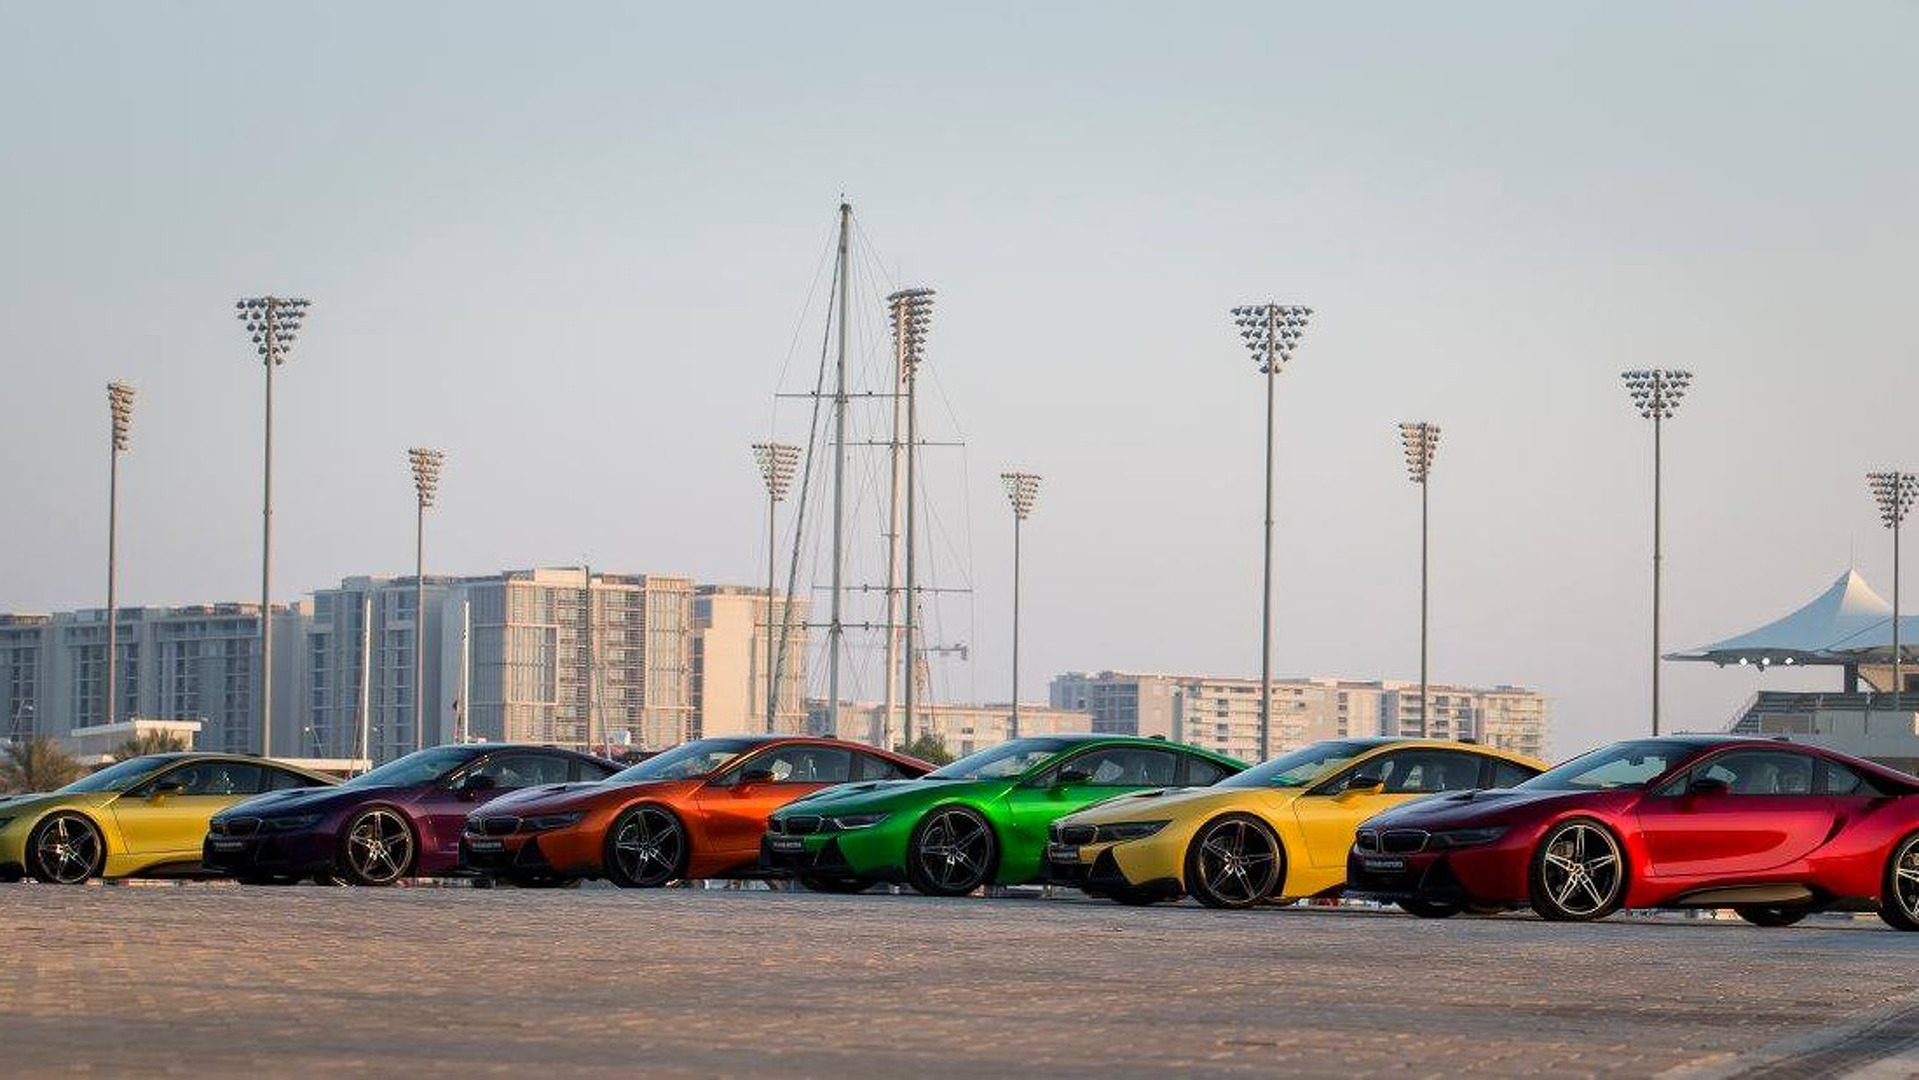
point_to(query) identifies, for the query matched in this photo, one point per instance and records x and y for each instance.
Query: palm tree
(37, 764)
(149, 742)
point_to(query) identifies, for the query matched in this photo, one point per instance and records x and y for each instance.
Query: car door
(443, 808)
(734, 807)
(1060, 789)
(1330, 811)
(168, 814)
(1742, 811)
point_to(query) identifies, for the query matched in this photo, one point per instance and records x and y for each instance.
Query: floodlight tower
(426, 484)
(120, 411)
(777, 461)
(1420, 440)
(1895, 492)
(1656, 393)
(911, 313)
(273, 322)
(1271, 332)
(1022, 489)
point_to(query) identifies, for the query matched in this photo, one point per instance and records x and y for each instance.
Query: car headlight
(857, 821)
(551, 821)
(1127, 830)
(1459, 838)
(290, 824)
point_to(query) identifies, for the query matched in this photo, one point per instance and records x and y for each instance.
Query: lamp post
(777, 462)
(274, 322)
(1022, 489)
(1271, 332)
(1420, 440)
(1895, 492)
(1656, 393)
(911, 314)
(426, 484)
(120, 410)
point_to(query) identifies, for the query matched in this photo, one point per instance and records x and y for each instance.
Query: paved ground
(224, 980)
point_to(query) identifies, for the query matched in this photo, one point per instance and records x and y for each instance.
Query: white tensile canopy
(1847, 624)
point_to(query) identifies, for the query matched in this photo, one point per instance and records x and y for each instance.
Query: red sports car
(1770, 829)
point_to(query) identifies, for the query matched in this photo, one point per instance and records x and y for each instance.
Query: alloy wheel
(649, 847)
(1236, 862)
(67, 850)
(1578, 874)
(379, 847)
(953, 853)
(1899, 907)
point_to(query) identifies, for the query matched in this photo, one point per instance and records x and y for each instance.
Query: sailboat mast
(836, 630)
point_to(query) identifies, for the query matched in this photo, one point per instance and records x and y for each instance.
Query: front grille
(799, 825)
(1402, 841)
(499, 826)
(1077, 834)
(239, 826)
(1366, 840)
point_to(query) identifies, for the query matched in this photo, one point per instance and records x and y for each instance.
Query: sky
(579, 247)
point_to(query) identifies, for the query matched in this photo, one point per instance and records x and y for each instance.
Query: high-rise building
(359, 660)
(23, 672)
(731, 630)
(962, 729)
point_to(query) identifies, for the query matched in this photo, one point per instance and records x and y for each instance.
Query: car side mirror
(1363, 784)
(162, 788)
(1071, 775)
(1708, 786)
(756, 776)
(479, 783)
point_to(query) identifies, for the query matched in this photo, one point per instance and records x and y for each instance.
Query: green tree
(149, 742)
(927, 746)
(37, 764)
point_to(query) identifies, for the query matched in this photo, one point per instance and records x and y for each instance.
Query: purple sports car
(402, 819)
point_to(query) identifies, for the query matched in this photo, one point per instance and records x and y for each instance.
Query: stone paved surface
(213, 979)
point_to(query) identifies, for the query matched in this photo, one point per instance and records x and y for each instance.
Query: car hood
(585, 795)
(1172, 803)
(34, 802)
(1470, 808)
(872, 796)
(317, 800)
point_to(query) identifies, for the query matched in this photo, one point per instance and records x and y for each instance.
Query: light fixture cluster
(274, 322)
(120, 402)
(426, 473)
(1421, 441)
(777, 462)
(1895, 492)
(911, 311)
(1022, 489)
(1271, 332)
(1656, 392)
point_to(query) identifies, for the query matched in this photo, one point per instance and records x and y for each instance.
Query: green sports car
(979, 821)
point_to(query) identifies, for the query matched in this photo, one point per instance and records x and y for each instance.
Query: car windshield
(119, 777)
(419, 767)
(1008, 759)
(1621, 765)
(687, 761)
(1299, 768)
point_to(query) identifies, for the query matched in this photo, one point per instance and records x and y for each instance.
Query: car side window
(1200, 772)
(872, 767)
(520, 770)
(802, 764)
(1127, 766)
(1510, 774)
(581, 769)
(217, 778)
(1760, 772)
(282, 780)
(1844, 780)
(1422, 771)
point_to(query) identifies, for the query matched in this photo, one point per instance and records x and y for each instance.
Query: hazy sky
(571, 244)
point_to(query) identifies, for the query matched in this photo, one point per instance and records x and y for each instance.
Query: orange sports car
(695, 811)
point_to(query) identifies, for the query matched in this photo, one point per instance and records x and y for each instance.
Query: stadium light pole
(1022, 490)
(911, 314)
(1656, 393)
(1271, 332)
(1420, 440)
(1895, 492)
(120, 410)
(777, 462)
(426, 484)
(273, 322)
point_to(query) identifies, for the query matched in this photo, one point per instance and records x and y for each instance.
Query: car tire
(1899, 893)
(841, 886)
(1770, 914)
(1235, 861)
(952, 852)
(65, 849)
(1579, 872)
(646, 848)
(377, 847)
(1430, 909)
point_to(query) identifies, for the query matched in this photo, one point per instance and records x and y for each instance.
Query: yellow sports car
(1278, 831)
(145, 815)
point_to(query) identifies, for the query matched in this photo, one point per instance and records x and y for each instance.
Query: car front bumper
(874, 854)
(1151, 865)
(308, 852)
